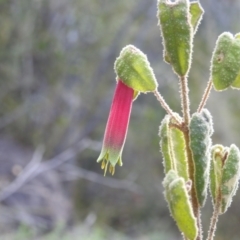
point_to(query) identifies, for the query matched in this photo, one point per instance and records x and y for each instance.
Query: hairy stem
(185, 100)
(214, 219)
(193, 193)
(186, 116)
(205, 96)
(166, 107)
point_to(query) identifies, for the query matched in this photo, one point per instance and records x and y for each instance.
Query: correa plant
(192, 164)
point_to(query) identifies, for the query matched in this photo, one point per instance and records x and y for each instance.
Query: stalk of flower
(134, 75)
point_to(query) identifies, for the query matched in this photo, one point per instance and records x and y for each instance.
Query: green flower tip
(133, 68)
(105, 158)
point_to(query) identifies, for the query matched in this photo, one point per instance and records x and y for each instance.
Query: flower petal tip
(104, 166)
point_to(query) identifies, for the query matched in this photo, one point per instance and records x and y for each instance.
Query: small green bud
(173, 147)
(177, 32)
(196, 11)
(225, 171)
(225, 66)
(177, 197)
(133, 69)
(230, 177)
(218, 155)
(200, 130)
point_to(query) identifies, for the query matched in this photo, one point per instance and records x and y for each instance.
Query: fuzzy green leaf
(177, 32)
(196, 11)
(133, 68)
(173, 147)
(165, 144)
(201, 129)
(225, 66)
(230, 177)
(217, 159)
(179, 204)
(236, 83)
(179, 154)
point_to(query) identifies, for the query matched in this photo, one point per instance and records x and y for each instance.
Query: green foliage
(179, 204)
(225, 67)
(217, 159)
(177, 33)
(165, 145)
(186, 141)
(225, 172)
(56, 81)
(230, 177)
(173, 147)
(201, 129)
(196, 12)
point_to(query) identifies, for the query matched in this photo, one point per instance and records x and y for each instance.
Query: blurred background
(56, 86)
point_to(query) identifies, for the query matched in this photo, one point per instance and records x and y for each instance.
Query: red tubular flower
(117, 125)
(134, 76)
